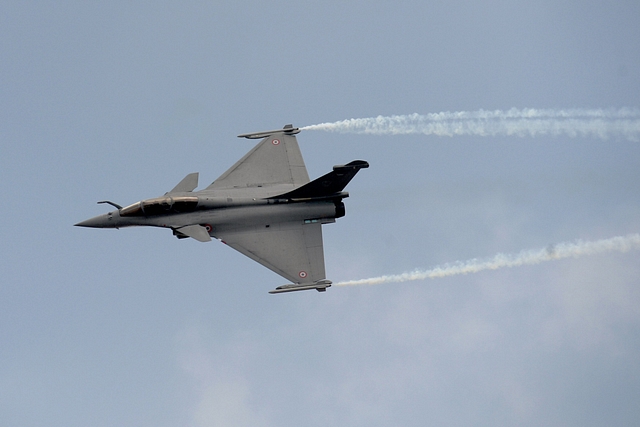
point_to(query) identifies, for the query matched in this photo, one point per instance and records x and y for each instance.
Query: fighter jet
(264, 206)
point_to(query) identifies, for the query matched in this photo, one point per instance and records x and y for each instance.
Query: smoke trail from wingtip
(599, 123)
(529, 257)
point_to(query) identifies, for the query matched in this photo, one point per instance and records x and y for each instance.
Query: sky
(120, 100)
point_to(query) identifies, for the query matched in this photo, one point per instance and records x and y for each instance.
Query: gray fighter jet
(264, 207)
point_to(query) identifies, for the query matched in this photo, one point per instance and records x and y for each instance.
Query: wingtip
(320, 286)
(287, 129)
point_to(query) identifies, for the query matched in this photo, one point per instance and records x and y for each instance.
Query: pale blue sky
(121, 100)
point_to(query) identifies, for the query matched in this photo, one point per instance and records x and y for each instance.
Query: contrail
(529, 257)
(599, 123)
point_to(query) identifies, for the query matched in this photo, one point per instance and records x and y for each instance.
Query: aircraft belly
(239, 217)
(298, 211)
(233, 218)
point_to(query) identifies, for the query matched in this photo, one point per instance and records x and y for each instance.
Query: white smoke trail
(559, 251)
(598, 123)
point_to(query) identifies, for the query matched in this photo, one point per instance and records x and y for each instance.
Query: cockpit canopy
(161, 205)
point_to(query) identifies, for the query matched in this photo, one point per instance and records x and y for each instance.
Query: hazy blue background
(121, 100)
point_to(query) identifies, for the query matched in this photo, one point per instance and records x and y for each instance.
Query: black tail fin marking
(327, 185)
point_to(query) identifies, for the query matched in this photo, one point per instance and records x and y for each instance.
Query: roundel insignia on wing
(275, 141)
(303, 274)
(208, 227)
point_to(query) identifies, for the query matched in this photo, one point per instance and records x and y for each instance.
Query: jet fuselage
(264, 206)
(218, 213)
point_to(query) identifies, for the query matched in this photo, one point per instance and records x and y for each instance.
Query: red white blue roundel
(303, 274)
(275, 142)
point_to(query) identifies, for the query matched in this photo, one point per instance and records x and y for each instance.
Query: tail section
(327, 185)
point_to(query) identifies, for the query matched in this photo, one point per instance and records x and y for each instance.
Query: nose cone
(100, 221)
